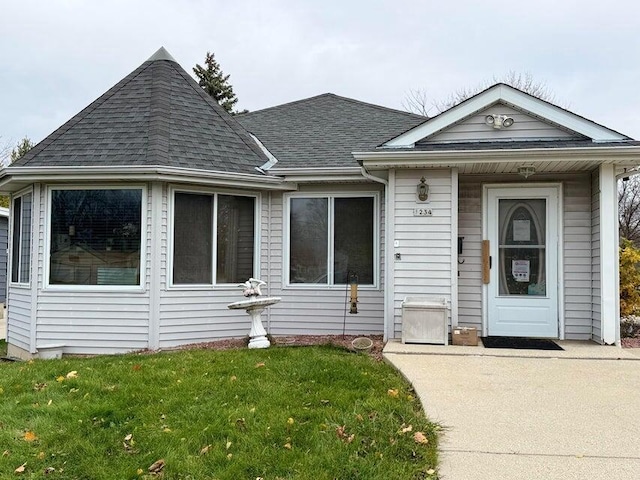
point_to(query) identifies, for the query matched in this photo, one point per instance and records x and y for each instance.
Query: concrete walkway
(515, 414)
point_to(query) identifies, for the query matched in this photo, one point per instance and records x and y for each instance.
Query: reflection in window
(348, 222)
(21, 241)
(95, 237)
(522, 247)
(194, 242)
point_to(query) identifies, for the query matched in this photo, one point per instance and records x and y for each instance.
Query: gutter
(166, 174)
(395, 158)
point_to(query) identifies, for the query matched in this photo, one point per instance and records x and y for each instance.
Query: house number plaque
(422, 212)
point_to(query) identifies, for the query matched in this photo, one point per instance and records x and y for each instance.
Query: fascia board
(510, 95)
(39, 174)
(390, 159)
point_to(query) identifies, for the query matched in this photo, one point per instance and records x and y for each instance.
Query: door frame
(560, 246)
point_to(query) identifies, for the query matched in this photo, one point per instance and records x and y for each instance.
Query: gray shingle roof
(322, 131)
(155, 116)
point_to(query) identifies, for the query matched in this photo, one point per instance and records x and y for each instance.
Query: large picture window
(331, 239)
(21, 240)
(95, 236)
(213, 230)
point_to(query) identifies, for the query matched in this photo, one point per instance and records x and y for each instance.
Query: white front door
(522, 229)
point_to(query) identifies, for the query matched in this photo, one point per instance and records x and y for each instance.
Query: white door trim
(560, 247)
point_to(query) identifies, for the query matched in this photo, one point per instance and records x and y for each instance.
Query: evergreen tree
(216, 83)
(21, 149)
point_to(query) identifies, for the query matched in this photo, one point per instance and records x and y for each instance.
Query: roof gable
(501, 94)
(156, 116)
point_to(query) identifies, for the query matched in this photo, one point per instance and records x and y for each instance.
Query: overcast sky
(57, 56)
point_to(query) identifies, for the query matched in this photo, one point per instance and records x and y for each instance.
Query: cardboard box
(466, 336)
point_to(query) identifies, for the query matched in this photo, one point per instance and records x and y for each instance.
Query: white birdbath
(254, 306)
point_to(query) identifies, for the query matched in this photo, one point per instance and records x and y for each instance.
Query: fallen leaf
(287, 446)
(166, 430)
(21, 468)
(419, 437)
(41, 456)
(204, 450)
(228, 445)
(137, 367)
(229, 455)
(359, 417)
(49, 470)
(29, 436)
(140, 471)
(259, 364)
(39, 386)
(233, 378)
(431, 471)
(49, 402)
(60, 379)
(128, 437)
(6, 453)
(72, 374)
(157, 466)
(290, 421)
(392, 392)
(406, 429)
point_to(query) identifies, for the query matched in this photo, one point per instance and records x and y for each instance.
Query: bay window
(332, 238)
(96, 236)
(213, 238)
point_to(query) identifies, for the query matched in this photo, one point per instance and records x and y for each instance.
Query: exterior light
(498, 121)
(526, 170)
(423, 190)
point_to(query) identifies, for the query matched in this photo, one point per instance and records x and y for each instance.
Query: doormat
(520, 343)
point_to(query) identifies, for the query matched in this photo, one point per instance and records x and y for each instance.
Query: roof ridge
(61, 130)
(347, 99)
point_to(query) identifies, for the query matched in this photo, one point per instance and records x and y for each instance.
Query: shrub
(629, 279)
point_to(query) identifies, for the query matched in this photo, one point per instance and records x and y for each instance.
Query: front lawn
(281, 413)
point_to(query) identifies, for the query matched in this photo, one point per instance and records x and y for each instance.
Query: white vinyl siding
(19, 316)
(576, 245)
(94, 322)
(596, 314)
(525, 127)
(470, 227)
(424, 243)
(317, 309)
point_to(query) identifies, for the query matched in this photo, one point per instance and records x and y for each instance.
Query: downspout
(269, 261)
(387, 249)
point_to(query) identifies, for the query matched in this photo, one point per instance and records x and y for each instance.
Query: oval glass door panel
(522, 247)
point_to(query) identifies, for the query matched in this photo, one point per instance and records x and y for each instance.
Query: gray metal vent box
(424, 320)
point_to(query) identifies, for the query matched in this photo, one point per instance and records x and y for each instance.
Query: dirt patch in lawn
(297, 341)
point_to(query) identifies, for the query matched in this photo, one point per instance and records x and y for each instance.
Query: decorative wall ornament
(423, 190)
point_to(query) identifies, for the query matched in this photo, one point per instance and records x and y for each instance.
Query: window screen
(193, 239)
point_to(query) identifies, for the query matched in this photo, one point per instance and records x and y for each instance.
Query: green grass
(273, 414)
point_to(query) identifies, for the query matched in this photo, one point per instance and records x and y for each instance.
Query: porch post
(609, 269)
(155, 282)
(454, 247)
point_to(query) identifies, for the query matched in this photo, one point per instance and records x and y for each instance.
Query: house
(133, 223)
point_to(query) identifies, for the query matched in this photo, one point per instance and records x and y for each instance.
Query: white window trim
(330, 244)
(10, 281)
(173, 189)
(143, 240)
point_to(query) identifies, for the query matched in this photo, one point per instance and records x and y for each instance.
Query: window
(21, 241)
(196, 249)
(95, 236)
(330, 239)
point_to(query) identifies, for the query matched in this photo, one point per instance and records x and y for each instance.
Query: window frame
(10, 281)
(286, 247)
(144, 207)
(173, 189)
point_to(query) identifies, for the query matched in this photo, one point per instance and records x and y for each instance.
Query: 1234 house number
(422, 212)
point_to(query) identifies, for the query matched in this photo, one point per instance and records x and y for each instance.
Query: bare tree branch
(417, 101)
(629, 209)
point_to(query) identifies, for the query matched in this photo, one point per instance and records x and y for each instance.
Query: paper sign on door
(520, 270)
